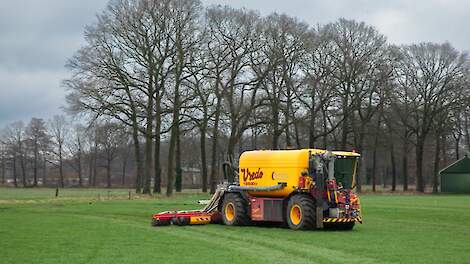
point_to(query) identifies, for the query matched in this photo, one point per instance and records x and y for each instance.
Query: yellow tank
(265, 168)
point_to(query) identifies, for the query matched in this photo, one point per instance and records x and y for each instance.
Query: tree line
(31, 153)
(182, 80)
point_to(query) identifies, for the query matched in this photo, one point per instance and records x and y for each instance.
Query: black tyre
(235, 210)
(180, 221)
(300, 213)
(339, 226)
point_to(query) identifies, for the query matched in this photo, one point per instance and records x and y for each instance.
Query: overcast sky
(37, 38)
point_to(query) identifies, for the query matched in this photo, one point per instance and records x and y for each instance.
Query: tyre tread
(308, 211)
(241, 210)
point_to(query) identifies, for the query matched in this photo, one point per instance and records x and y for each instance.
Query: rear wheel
(301, 212)
(235, 210)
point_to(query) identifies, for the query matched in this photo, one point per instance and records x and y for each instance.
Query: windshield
(345, 168)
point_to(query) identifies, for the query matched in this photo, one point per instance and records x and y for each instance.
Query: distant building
(455, 178)
(191, 177)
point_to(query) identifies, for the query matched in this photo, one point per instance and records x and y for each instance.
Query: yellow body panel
(264, 168)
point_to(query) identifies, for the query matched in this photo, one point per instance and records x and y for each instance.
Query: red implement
(184, 218)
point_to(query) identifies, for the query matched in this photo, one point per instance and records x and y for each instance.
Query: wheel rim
(296, 214)
(229, 211)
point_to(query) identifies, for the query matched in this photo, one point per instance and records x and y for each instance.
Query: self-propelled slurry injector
(304, 189)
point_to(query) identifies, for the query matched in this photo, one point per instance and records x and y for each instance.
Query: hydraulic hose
(257, 189)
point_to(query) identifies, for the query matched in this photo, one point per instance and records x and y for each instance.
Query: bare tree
(39, 141)
(59, 129)
(110, 138)
(357, 50)
(202, 108)
(14, 140)
(277, 65)
(317, 95)
(427, 75)
(185, 15)
(76, 149)
(124, 153)
(3, 161)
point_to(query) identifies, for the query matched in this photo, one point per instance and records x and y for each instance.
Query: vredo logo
(250, 176)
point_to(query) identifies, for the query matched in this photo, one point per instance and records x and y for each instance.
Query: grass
(94, 226)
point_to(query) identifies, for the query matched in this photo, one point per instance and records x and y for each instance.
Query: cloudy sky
(37, 38)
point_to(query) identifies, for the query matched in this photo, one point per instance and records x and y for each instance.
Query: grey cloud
(28, 94)
(36, 39)
(402, 21)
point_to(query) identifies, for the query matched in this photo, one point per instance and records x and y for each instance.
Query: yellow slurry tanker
(305, 189)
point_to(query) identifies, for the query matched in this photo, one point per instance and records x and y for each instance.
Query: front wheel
(301, 212)
(235, 210)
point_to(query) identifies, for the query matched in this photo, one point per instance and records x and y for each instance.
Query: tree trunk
(374, 166)
(288, 118)
(173, 143)
(3, 170)
(361, 170)
(254, 138)
(178, 168)
(171, 163)
(157, 184)
(108, 174)
(61, 167)
(467, 133)
(311, 127)
(393, 164)
(419, 165)
(435, 178)
(203, 158)
(149, 133)
(362, 167)
(325, 130)
(80, 178)
(344, 134)
(148, 153)
(232, 141)
(275, 123)
(405, 162)
(298, 144)
(135, 139)
(443, 148)
(215, 137)
(23, 168)
(90, 168)
(384, 177)
(124, 168)
(35, 165)
(374, 154)
(15, 172)
(44, 173)
(95, 161)
(138, 159)
(345, 129)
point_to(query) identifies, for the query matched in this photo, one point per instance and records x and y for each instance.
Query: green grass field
(97, 226)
